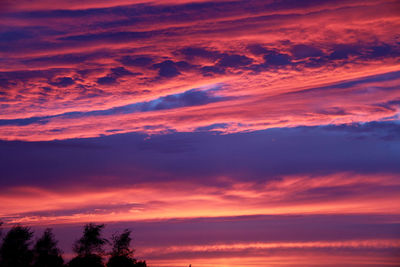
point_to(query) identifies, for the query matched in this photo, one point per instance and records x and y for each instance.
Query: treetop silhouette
(121, 244)
(122, 254)
(46, 253)
(15, 248)
(89, 248)
(91, 242)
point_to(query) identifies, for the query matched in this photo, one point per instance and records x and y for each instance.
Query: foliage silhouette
(91, 242)
(46, 253)
(89, 260)
(15, 248)
(121, 244)
(141, 264)
(122, 254)
(89, 247)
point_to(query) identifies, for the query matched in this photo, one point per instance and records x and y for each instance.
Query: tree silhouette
(89, 247)
(15, 248)
(121, 244)
(46, 253)
(91, 242)
(122, 254)
(1, 233)
(141, 264)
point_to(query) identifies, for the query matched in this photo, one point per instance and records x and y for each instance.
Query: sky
(223, 133)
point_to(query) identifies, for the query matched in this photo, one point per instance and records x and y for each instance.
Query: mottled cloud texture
(223, 130)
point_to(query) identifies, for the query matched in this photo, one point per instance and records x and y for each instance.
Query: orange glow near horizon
(304, 260)
(162, 201)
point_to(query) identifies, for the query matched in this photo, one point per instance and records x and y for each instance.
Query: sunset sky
(223, 133)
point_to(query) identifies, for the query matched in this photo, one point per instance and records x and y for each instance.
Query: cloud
(343, 51)
(139, 61)
(273, 58)
(193, 97)
(199, 52)
(21, 122)
(4, 83)
(290, 195)
(257, 49)
(245, 45)
(167, 69)
(234, 61)
(66, 59)
(304, 51)
(211, 70)
(349, 100)
(15, 35)
(114, 74)
(107, 37)
(63, 82)
(243, 156)
(381, 50)
(107, 80)
(189, 98)
(26, 75)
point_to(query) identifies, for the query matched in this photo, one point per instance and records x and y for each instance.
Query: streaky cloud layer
(293, 195)
(58, 80)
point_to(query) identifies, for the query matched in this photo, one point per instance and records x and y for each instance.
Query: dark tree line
(18, 249)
